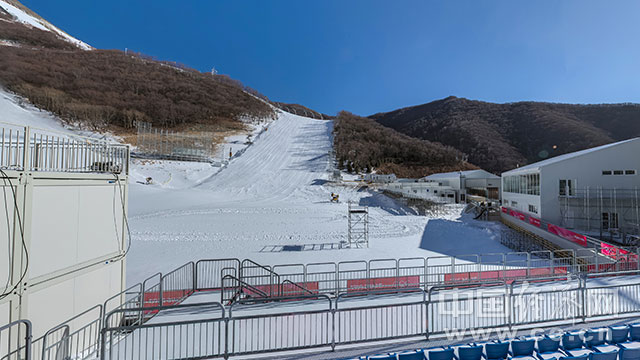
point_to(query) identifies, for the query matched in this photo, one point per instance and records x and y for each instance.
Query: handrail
(242, 285)
(268, 269)
(287, 281)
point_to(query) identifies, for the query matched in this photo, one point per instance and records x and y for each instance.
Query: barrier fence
(286, 324)
(15, 340)
(34, 149)
(434, 275)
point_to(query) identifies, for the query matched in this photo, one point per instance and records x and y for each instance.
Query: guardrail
(265, 325)
(33, 149)
(15, 340)
(378, 276)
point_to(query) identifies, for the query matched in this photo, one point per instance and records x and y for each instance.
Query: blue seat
(573, 344)
(411, 355)
(634, 331)
(611, 355)
(549, 348)
(469, 352)
(595, 337)
(581, 357)
(522, 348)
(496, 350)
(618, 334)
(629, 353)
(440, 354)
(382, 357)
(571, 341)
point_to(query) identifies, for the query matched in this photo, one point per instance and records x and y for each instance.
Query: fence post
(194, 278)
(583, 293)
(333, 327)
(161, 291)
(226, 337)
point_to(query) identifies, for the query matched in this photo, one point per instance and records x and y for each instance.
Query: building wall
(587, 171)
(74, 235)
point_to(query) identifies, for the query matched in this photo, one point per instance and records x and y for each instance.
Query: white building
(380, 178)
(65, 200)
(594, 191)
(471, 182)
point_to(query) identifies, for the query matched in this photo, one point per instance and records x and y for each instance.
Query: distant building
(593, 191)
(471, 182)
(380, 178)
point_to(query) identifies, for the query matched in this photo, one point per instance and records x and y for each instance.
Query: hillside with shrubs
(110, 88)
(500, 137)
(362, 145)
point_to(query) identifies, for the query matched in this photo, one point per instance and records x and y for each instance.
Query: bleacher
(616, 342)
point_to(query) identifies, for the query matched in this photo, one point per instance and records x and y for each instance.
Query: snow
(275, 194)
(28, 19)
(15, 110)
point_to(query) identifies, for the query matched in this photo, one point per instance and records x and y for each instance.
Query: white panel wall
(51, 305)
(73, 224)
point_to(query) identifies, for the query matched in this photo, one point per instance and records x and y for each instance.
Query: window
(567, 187)
(533, 209)
(606, 172)
(609, 221)
(630, 172)
(514, 203)
(618, 172)
(562, 188)
(522, 184)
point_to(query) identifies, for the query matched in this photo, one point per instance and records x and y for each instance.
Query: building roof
(467, 174)
(568, 156)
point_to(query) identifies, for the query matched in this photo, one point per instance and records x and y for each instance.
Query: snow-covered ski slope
(272, 205)
(33, 21)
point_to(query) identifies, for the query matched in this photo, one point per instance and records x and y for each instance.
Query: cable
(9, 248)
(5, 178)
(125, 218)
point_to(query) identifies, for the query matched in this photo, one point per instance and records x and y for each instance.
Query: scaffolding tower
(610, 214)
(358, 235)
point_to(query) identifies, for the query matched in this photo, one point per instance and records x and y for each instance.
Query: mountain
(111, 89)
(361, 144)
(499, 137)
(15, 13)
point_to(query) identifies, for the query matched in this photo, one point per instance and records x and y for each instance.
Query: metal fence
(173, 145)
(178, 337)
(283, 324)
(50, 150)
(15, 340)
(345, 281)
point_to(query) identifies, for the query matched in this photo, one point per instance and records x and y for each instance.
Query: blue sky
(368, 56)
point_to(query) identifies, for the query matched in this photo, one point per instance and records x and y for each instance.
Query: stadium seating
(617, 342)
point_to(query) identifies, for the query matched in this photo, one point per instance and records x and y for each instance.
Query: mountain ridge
(499, 137)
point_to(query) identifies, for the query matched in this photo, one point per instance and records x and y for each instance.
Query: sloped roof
(468, 174)
(559, 158)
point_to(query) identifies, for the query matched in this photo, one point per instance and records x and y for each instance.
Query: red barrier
(568, 234)
(503, 274)
(535, 222)
(517, 214)
(383, 283)
(173, 297)
(288, 290)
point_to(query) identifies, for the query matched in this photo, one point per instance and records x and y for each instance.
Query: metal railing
(203, 337)
(61, 342)
(15, 340)
(34, 149)
(318, 321)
